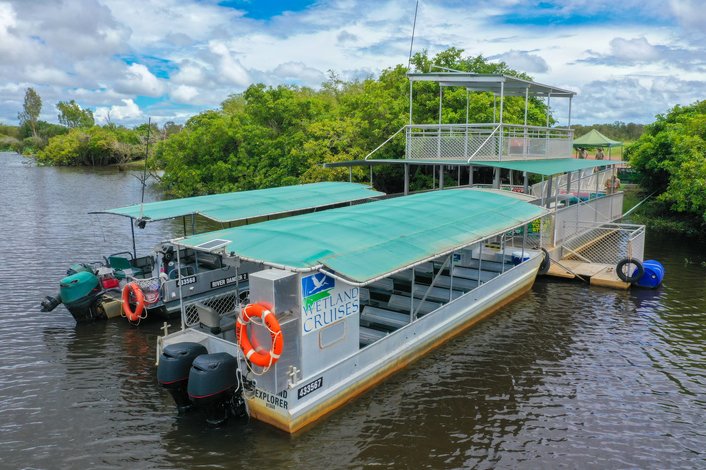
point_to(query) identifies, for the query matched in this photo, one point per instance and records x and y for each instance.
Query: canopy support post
(410, 102)
(524, 142)
(406, 179)
(549, 192)
(465, 139)
(496, 181)
(132, 230)
(438, 140)
(411, 300)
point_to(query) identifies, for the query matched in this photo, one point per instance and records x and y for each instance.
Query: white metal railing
(600, 210)
(605, 243)
(583, 184)
(486, 142)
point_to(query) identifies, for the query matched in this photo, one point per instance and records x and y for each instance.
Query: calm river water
(567, 376)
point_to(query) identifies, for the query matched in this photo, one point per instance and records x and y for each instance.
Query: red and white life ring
(259, 357)
(134, 289)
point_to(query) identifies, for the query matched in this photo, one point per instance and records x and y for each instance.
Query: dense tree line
(670, 158)
(77, 140)
(273, 136)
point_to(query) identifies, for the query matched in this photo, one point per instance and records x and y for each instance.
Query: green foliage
(72, 115)
(268, 137)
(170, 128)
(671, 159)
(10, 131)
(95, 146)
(30, 110)
(9, 137)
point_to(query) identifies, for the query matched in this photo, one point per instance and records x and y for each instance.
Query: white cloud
(184, 94)
(139, 80)
(229, 68)
(638, 49)
(523, 61)
(189, 73)
(127, 111)
(196, 53)
(299, 74)
(691, 14)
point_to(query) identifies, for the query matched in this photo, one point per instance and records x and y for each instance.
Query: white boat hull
(314, 396)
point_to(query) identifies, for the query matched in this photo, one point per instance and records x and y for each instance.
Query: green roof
(550, 166)
(366, 241)
(231, 207)
(544, 166)
(595, 139)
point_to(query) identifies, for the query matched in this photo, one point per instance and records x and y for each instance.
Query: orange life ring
(139, 300)
(256, 356)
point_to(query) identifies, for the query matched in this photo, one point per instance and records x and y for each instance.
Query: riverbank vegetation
(77, 140)
(670, 159)
(274, 136)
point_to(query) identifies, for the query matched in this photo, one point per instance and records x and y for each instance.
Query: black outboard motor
(213, 381)
(173, 371)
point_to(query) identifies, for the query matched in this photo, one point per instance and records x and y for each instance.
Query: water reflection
(568, 375)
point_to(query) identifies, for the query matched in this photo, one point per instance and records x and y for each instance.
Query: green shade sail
(232, 207)
(595, 139)
(367, 241)
(544, 166)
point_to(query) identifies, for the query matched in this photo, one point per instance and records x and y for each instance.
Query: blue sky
(169, 59)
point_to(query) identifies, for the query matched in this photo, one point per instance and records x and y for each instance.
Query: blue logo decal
(317, 283)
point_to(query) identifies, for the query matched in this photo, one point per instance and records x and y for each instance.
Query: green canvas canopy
(550, 166)
(595, 139)
(544, 166)
(367, 241)
(232, 207)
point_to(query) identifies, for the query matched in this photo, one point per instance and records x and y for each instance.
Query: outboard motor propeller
(213, 381)
(173, 371)
(50, 303)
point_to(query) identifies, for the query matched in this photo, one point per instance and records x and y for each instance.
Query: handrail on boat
(383, 144)
(484, 142)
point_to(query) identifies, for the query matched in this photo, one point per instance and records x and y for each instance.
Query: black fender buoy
(619, 268)
(545, 264)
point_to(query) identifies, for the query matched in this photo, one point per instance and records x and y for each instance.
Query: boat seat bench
(384, 317)
(493, 266)
(402, 303)
(438, 294)
(472, 274)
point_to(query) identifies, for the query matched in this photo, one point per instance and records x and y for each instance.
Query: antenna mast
(411, 43)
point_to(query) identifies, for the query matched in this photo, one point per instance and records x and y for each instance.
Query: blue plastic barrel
(654, 273)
